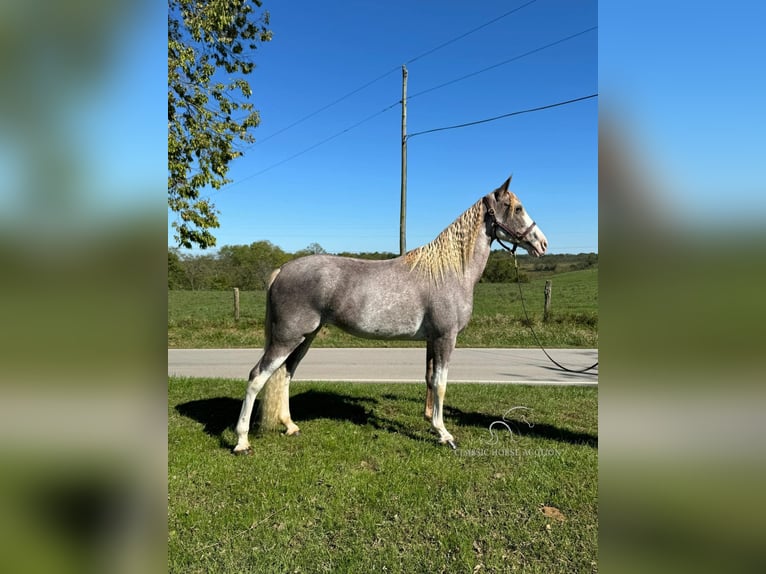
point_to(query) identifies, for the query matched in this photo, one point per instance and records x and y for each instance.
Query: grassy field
(365, 488)
(204, 319)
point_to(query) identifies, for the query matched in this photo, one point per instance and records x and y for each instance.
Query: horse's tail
(275, 394)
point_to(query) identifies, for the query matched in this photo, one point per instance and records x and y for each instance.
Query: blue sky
(344, 194)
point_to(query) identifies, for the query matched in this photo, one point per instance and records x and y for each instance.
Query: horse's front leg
(442, 352)
(429, 410)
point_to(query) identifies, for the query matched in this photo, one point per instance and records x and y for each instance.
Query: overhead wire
(408, 137)
(391, 71)
(504, 62)
(311, 147)
(508, 115)
(323, 108)
(396, 103)
(456, 38)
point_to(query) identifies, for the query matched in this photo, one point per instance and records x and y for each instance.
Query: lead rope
(529, 322)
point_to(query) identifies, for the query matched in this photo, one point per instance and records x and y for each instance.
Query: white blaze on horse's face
(535, 241)
(527, 233)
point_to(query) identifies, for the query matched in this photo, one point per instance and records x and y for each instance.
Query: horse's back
(320, 277)
(368, 298)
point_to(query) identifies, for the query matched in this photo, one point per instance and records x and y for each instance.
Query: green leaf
(205, 39)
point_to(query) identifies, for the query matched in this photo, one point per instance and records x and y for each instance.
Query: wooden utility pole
(236, 303)
(403, 207)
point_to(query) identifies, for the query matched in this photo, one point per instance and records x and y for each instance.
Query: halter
(516, 237)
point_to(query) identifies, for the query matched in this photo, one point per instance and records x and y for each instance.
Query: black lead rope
(529, 322)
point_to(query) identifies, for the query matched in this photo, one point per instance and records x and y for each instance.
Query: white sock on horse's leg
(437, 421)
(284, 414)
(254, 386)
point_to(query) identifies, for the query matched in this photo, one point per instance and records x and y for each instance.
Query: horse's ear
(498, 193)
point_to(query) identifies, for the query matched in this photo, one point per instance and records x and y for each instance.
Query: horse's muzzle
(538, 243)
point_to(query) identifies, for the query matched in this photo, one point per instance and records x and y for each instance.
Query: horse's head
(510, 222)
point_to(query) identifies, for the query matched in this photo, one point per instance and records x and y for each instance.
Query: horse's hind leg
(292, 364)
(273, 358)
(291, 429)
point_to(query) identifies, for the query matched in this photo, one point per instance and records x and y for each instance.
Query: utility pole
(403, 207)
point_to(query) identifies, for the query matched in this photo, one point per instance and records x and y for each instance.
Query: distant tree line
(500, 267)
(249, 267)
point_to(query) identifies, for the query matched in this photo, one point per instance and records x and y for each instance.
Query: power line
(450, 82)
(391, 71)
(312, 147)
(359, 123)
(376, 114)
(517, 113)
(323, 108)
(455, 39)
(431, 89)
(504, 62)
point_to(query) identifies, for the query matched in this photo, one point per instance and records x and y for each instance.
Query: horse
(425, 294)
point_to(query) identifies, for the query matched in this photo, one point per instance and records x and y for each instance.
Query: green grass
(204, 319)
(366, 487)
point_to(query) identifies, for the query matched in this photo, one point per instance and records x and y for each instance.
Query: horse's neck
(479, 259)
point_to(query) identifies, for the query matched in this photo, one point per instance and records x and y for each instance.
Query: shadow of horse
(221, 413)
(537, 430)
(484, 420)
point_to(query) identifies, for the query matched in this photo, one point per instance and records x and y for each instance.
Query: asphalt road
(519, 366)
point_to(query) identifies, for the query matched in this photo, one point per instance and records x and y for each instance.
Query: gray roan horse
(425, 294)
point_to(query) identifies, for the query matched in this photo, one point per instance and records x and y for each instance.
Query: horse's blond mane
(452, 250)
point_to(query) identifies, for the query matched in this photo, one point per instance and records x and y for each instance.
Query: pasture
(204, 319)
(366, 488)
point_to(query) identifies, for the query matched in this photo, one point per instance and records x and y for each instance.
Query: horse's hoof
(452, 444)
(244, 452)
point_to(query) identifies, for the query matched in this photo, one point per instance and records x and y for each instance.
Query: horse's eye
(518, 209)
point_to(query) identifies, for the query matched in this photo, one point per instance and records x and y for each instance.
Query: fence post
(236, 303)
(547, 308)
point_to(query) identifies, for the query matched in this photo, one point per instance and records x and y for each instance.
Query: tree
(500, 269)
(176, 271)
(250, 266)
(210, 44)
(201, 271)
(310, 249)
